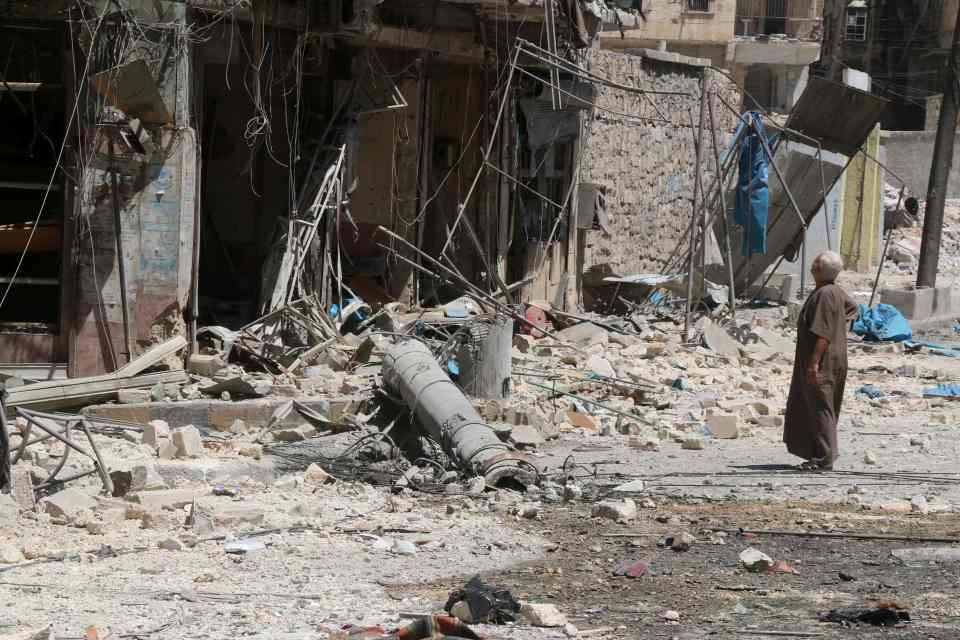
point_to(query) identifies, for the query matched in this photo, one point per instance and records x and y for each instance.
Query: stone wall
(646, 168)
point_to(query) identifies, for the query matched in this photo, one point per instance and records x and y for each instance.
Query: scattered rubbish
(945, 390)
(782, 566)
(245, 545)
(483, 603)
(435, 626)
(881, 614)
(633, 570)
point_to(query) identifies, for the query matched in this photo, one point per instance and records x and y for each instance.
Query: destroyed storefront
(240, 159)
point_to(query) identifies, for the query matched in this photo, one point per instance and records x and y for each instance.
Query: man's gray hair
(831, 264)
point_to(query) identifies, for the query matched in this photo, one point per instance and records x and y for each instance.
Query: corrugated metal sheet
(801, 169)
(840, 117)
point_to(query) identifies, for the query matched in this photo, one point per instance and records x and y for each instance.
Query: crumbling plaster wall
(157, 204)
(646, 168)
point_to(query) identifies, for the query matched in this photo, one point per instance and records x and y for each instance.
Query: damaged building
(170, 166)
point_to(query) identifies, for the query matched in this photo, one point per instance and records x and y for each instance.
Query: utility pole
(940, 169)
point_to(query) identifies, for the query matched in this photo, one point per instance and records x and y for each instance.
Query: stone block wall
(646, 168)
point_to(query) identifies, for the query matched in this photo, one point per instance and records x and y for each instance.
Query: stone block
(133, 396)
(188, 442)
(10, 554)
(21, 487)
(68, 504)
(167, 450)
(543, 615)
(770, 421)
(724, 425)
(524, 435)
(316, 474)
(204, 365)
(144, 477)
(154, 432)
(618, 510)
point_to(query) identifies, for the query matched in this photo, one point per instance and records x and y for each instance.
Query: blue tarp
(870, 391)
(882, 323)
(951, 390)
(753, 195)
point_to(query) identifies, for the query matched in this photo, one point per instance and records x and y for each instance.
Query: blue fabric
(951, 390)
(870, 391)
(935, 349)
(753, 194)
(882, 323)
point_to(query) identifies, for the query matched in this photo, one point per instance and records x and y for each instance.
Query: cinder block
(914, 305)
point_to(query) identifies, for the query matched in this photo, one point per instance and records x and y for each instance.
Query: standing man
(819, 368)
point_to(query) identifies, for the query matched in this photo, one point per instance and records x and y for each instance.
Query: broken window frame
(855, 27)
(698, 6)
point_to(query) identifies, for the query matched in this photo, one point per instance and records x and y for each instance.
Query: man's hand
(813, 374)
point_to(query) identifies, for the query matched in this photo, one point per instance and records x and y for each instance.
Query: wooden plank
(153, 356)
(68, 393)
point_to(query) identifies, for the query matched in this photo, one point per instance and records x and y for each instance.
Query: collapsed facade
(205, 163)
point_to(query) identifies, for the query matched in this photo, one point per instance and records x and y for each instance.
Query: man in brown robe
(819, 368)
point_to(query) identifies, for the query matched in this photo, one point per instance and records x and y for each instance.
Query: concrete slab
(924, 307)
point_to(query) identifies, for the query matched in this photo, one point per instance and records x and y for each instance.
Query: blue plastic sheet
(882, 323)
(753, 194)
(950, 390)
(870, 391)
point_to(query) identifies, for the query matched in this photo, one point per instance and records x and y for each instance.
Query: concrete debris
(755, 561)
(543, 615)
(682, 541)
(155, 433)
(723, 426)
(188, 442)
(10, 554)
(68, 504)
(618, 510)
(315, 474)
(9, 510)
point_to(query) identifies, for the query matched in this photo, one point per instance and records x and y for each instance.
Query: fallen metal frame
(58, 426)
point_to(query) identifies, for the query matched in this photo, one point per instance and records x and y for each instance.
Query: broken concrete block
(694, 443)
(170, 544)
(204, 365)
(770, 421)
(723, 426)
(9, 510)
(158, 392)
(543, 615)
(21, 487)
(161, 520)
(145, 478)
(755, 561)
(254, 451)
(188, 442)
(869, 457)
(227, 513)
(618, 510)
(682, 542)
(167, 450)
(718, 340)
(315, 474)
(601, 366)
(524, 435)
(165, 499)
(10, 554)
(294, 434)
(67, 504)
(585, 333)
(133, 396)
(154, 432)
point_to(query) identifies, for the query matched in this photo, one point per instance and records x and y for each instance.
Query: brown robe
(810, 428)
